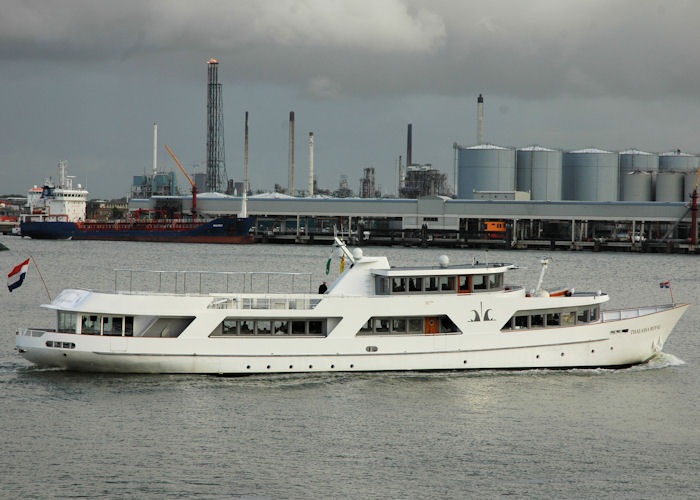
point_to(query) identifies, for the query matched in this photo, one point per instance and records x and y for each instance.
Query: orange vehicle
(495, 230)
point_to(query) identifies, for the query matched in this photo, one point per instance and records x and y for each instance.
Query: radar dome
(444, 260)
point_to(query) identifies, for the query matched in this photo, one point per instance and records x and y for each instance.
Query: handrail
(248, 277)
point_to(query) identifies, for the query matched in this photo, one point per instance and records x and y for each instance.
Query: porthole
(562, 354)
(538, 356)
(248, 367)
(311, 366)
(611, 348)
(592, 351)
(332, 366)
(352, 366)
(465, 361)
(268, 367)
(291, 366)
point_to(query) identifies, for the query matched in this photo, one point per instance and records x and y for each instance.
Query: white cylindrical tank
(669, 186)
(590, 175)
(633, 160)
(677, 161)
(636, 186)
(485, 167)
(539, 170)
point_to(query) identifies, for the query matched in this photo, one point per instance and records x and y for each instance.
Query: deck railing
(633, 312)
(272, 302)
(195, 282)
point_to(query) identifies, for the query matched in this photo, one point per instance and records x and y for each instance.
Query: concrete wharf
(441, 221)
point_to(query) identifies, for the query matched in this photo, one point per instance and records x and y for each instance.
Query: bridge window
(398, 285)
(90, 324)
(112, 325)
(67, 322)
(431, 284)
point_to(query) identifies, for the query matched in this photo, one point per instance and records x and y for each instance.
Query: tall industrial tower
(216, 164)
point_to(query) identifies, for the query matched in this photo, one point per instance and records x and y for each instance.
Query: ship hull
(220, 230)
(614, 343)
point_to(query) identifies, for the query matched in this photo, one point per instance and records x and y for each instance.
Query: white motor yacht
(374, 317)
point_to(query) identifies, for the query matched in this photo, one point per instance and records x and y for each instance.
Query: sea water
(599, 433)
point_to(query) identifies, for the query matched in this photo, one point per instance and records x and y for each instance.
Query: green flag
(328, 265)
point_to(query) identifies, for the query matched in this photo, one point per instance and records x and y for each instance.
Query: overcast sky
(84, 80)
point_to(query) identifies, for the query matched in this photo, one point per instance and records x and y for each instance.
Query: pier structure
(441, 221)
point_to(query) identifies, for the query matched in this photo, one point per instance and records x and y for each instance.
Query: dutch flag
(16, 276)
(665, 284)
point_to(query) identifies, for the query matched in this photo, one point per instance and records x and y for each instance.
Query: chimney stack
(311, 164)
(480, 119)
(291, 154)
(155, 148)
(409, 146)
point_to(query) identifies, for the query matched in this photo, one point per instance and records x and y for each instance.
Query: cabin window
(411, 326)
(90, 324)
(281, 327)
(229, 327)
(246, 327)
(521, 322)
(447, 325)
(415, 325)
(431, 284)
(447, 283)
(568, 318)
(398, 285)
(479, 282)
(553, 319)
(129, 326)
(112, 325)
(537, 321)
(67, 322)
(398, 325)
(298, 327)
(464, 283)
(382, 285)
(264, 327)
(415, 284)
(367, 327)
(381, 325)
(582, 316)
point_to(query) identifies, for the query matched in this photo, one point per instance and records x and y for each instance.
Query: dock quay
(444, 222)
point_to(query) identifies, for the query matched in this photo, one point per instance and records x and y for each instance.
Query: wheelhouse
(458, 279)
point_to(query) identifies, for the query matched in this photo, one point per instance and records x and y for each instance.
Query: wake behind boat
(374, 317)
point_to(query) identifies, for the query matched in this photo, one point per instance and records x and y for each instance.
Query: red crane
(194, 187)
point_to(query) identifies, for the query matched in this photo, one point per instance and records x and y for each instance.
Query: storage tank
(688, 184)
(539, 171)
(590, 175)
(669, 186)
(635, 160)
(485, 167)
(676, 161)
(636, 186)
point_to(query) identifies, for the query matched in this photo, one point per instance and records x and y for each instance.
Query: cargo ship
(57, 211)
(220, 230)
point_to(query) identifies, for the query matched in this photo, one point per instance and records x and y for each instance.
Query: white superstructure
(58, 201)
(373, 317)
